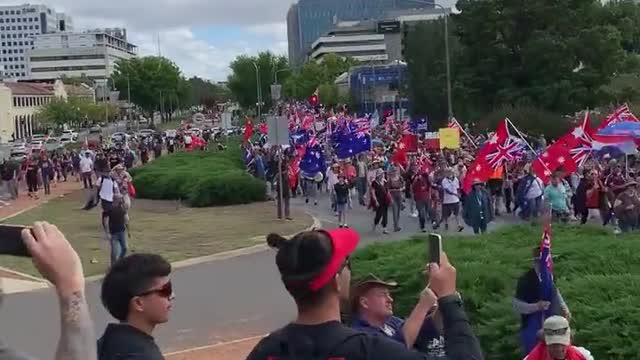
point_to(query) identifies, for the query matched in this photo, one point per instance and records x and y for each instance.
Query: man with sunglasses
(314, 268)
(137, 292)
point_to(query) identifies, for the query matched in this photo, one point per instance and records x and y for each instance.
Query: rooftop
(18, 88)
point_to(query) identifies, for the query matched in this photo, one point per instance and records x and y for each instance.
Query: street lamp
(276, 74)
(446, 12)
(258, 88)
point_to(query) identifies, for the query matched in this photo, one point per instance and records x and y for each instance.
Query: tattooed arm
(77, 340)
(56, 260)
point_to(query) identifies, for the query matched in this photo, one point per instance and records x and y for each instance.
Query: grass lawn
(162, 227)
(597, 273)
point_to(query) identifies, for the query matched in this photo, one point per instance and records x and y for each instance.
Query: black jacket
(334, 340)
(124, 342)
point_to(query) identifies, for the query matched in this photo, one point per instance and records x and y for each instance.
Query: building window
(19, 27)
(13, 12)
(13, 21)
(37, 27)
(13, 27)
(30, 27)
(15, 100)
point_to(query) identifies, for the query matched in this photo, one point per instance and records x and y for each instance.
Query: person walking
(396, 188)
(47, 172)
(380, 200)
(31, 176)
(421, 189)
(478, 212)
(124, 182)
(86, 169)
(451, 199)
(361, 179)
(118, 228)
(286, 193)
(343, 199)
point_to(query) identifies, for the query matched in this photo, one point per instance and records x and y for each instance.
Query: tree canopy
(243, 81)
(156, 83)
(206, 93)
(74, 112)
(559, 56)
(313, 74)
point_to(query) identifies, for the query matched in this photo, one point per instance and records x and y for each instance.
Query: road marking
(208, 347)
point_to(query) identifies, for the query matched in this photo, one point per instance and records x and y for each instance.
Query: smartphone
(435, 247)
(11, 241)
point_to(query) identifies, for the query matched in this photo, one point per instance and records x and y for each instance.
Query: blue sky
(201, 36)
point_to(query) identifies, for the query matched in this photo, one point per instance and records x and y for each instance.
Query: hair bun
(275, 241)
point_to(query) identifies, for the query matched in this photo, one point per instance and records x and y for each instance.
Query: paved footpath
(216, 302)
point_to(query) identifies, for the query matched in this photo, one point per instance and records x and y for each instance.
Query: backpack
(294, 346)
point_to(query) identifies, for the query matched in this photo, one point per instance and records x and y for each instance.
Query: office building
(366, 41)
(309, 19)
(19, 25)
(90, 54)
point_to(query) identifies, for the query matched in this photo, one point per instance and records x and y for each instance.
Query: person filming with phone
(58, 262)
(315, 269)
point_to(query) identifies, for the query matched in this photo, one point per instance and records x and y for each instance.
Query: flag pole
(526, 142)
(465, 133)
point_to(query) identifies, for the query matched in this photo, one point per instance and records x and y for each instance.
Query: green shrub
(200, 179)
(597, 273)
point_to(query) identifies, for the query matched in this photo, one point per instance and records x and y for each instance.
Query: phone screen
(435, 247)
(11, 241)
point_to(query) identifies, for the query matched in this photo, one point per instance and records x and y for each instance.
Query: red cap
(344, 243)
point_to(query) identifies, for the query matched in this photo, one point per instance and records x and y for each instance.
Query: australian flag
(418, 126)
(352, 140)
(313, 161)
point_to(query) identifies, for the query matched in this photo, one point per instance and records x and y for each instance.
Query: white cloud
(177, 21)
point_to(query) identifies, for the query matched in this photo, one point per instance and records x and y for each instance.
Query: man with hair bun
(315, 270)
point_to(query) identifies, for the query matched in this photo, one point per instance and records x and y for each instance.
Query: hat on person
(630, 183)
(118, 167)
(361, 286)
(477, 181)
(299, 272)
(556, 331)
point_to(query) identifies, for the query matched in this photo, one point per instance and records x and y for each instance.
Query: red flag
(248, 130)
(454, 124)
(492, 155)
(569, 152)
(263, 128)
(408, 143)
(424, 164)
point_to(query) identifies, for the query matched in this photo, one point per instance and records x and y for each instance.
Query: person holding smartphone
(58, 262)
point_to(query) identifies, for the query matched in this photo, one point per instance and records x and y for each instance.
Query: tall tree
(206, 93)
(155, 82)
(313, 74)
(243, 82)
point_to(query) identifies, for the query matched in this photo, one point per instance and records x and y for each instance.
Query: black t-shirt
(122, 341)
(101, 164)
(342, 193)
(330, 340)
(117, 220)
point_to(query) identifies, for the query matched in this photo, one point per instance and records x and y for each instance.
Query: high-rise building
(90, 54)
(19, 25)
(314, 18)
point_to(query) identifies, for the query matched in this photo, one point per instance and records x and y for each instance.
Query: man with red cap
(315, 269)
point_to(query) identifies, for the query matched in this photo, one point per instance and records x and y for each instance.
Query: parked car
(36, 145)
(145, 133)
(95, 130)
(37, 137)
(119, 137)
(66, 139)
(52, 144)
(72, 134)
(18, 155)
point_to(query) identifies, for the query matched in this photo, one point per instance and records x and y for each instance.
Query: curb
(175, 265)
(214, 346)
(224, 255)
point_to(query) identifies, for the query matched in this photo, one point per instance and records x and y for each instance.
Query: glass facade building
(309, 19)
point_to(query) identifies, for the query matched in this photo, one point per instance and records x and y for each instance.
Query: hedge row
(200, 179)
(597, 273)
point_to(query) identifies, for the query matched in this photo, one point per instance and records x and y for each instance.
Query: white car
(20, 146)
(18, 155)
(36, 145)
(37, 137)
(73, 135)
(145, 133)
(65, 139)
(52, 144)
(119, 137)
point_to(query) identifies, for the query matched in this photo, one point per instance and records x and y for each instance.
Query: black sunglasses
(165, 291)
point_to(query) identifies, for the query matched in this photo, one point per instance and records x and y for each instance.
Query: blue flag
(313, 161)
(418, 126)
(352, 143)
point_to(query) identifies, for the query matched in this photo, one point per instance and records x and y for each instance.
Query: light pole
(446, 13)
(258, 88)
(275, 74)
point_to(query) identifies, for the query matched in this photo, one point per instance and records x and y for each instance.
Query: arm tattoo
(77, 341)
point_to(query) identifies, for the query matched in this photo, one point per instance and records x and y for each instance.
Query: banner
(449, 138)
(432, 140)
